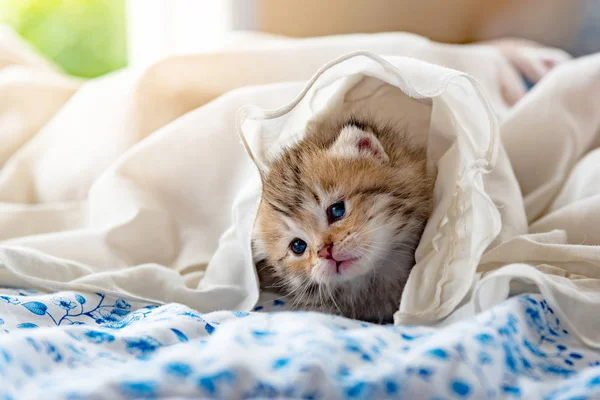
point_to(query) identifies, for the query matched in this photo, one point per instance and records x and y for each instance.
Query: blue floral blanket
(93, 346)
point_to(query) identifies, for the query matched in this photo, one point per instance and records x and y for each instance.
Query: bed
(126, 210)
(71, 345)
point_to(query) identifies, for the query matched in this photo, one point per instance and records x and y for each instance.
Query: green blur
(87, 38)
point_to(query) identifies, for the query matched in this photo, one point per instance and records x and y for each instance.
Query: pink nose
(325, 251)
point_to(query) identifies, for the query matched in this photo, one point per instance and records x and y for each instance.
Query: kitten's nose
(325, 251)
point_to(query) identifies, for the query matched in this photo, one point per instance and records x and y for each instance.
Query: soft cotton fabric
(464, 147)
(71, 345)
(138, 186)
(88, 204)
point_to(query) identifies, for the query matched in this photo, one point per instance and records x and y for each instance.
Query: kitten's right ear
(356, 142)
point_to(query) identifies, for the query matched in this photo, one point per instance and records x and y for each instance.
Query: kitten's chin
(332, 272)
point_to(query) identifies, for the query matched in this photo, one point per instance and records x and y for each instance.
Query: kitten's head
(340, 218)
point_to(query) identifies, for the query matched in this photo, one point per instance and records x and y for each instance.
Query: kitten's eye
(336, 211)
(298, 246)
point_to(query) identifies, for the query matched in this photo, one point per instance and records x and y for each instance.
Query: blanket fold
(136, 183)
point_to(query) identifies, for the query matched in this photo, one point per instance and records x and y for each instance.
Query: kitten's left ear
(357, 143)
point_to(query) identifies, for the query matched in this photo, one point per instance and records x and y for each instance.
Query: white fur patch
(353, 142)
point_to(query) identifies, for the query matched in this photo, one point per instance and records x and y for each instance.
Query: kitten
(341, 215)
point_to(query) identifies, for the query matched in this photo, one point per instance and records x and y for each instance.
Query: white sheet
(98, 200)
(72, 345)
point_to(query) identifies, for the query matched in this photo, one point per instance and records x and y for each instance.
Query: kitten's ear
(355, 142)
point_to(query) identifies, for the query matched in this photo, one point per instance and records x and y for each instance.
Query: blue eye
(336, 211)
(298, 246)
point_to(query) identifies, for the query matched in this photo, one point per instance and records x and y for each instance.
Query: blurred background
(89, 38)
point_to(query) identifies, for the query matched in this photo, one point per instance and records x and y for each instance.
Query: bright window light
(159, 28)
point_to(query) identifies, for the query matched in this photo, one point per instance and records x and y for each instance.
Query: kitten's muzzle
(339, 263)
(326, 252)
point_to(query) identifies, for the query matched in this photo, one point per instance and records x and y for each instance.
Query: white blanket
(116, 193)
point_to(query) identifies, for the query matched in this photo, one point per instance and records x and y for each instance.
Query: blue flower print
(460, 388)
(240, 314)
(80, 299)
(141, 346)
(211, 383)
(69, 310)
(122, 304)
(178, 369)
(167, 352)
(113, 320)
(104, 316)
(36, 307)
(139, 389)
(27, 325)
(64, 303)
(99, 337)
(10, 300)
